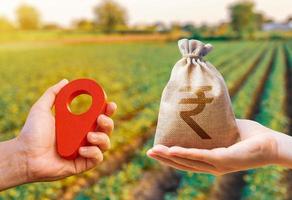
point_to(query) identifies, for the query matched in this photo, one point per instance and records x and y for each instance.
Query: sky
(64, 12)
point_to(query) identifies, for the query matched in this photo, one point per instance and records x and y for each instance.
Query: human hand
(37, 141)
(257, 146)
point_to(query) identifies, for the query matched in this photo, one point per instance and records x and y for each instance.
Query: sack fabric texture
(195, 109)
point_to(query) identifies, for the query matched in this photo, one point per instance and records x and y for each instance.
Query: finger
(204, 155)
(110, 108)
(91, 152)
(176, 165)
(165, 161)
(192, 163)
(46, 101)
(99, 139)
(91, 163)
(161, 150)
(164, 152)
(105, 124)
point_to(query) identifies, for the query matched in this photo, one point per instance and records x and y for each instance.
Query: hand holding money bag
(195, 109)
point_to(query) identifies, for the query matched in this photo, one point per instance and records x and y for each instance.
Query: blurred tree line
(28, 18)
(245, 21)
(110, 17)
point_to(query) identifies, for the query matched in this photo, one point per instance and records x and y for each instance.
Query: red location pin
(71, 129)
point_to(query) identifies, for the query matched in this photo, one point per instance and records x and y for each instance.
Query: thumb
(46, 101)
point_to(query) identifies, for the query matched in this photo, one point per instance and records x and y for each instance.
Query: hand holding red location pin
(71, 129)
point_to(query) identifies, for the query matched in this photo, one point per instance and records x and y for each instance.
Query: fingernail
(114, 105)
(149, 152)
(103, 119)
(82, 149)
(94, 136)
(64, 81)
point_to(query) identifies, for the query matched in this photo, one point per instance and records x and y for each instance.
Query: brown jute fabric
(195, 109)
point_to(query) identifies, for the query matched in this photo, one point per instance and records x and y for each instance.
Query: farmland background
(133, 64)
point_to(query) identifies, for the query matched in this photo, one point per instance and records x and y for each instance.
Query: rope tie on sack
(194, 49)
(192, 56)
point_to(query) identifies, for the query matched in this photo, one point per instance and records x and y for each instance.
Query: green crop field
(257, 73)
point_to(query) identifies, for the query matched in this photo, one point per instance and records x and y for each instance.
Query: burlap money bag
(195, 109)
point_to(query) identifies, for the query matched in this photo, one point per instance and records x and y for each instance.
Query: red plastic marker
(71, 129)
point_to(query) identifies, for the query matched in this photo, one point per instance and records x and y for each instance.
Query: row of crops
(271, 114)
(134, 75)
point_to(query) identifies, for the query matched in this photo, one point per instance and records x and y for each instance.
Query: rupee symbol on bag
(201, 102)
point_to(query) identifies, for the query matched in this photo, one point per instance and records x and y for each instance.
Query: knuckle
(99, 158)
(107, 141)
(110, 122)
(98, 155)
(109, 125)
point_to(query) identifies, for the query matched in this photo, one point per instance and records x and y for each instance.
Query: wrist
(21, 160)
(284, 155)
(13, 167)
